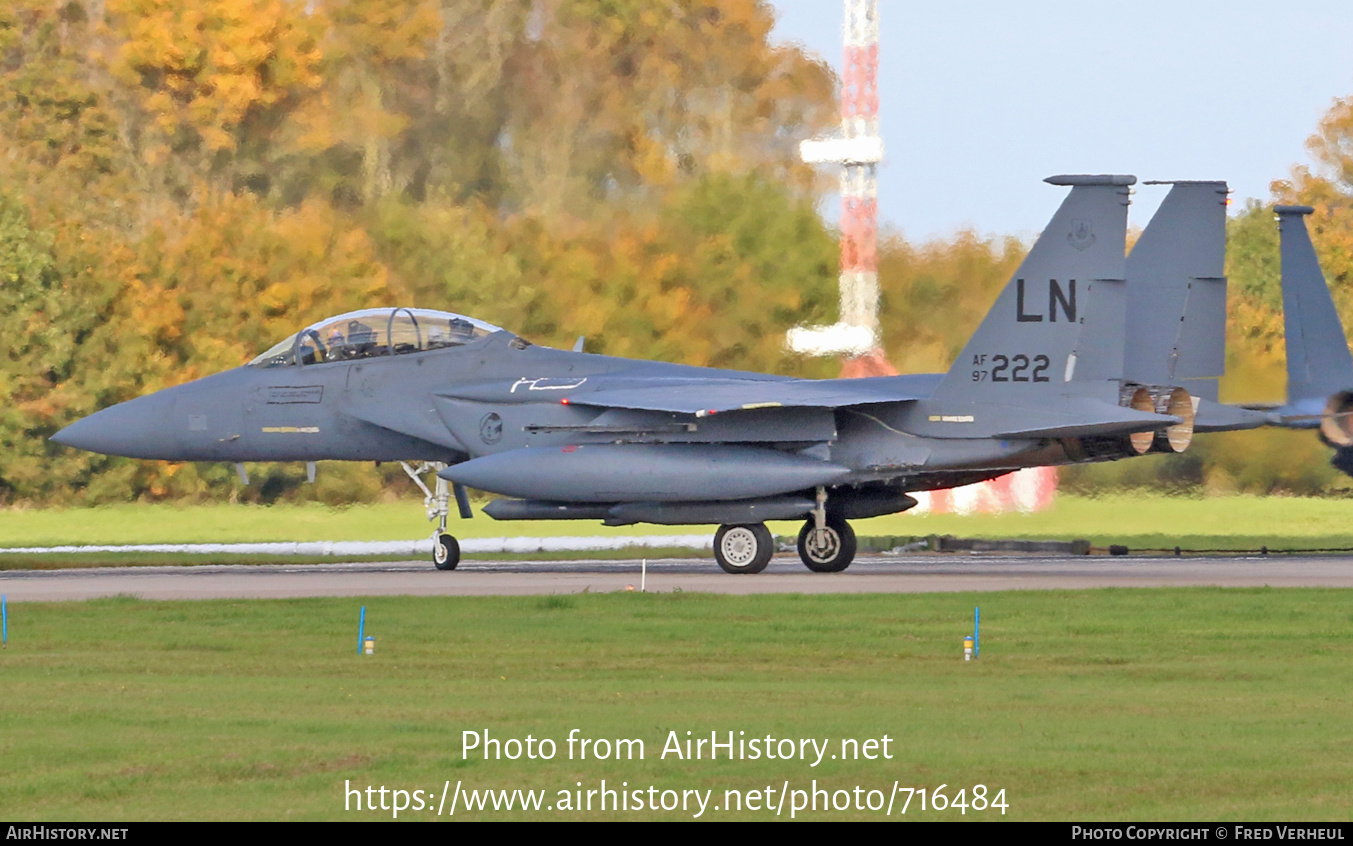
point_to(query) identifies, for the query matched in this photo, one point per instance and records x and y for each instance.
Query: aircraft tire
(840, 549)
(744, 548)
(445, 552)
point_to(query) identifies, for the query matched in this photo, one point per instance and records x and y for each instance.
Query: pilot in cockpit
(462, 330)
(361, 340)
(337, 345)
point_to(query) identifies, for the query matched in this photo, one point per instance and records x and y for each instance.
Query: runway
(872, 574)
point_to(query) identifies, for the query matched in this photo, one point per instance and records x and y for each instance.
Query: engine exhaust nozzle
(1176, 403)
(1336, 424)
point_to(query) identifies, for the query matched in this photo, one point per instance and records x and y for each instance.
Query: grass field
(1201, 704)
(1136, 521)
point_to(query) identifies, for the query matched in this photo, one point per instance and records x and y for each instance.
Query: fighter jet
(1165, 281)
(571, 435)
(1319, 366)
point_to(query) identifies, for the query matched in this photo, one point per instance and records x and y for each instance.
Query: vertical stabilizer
(1176, 311)
(1318, 361)
(1061, 318)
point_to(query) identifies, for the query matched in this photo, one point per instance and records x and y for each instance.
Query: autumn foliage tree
(185, 182)
(188, 181)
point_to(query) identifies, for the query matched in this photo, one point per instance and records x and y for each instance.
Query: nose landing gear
(445, 548)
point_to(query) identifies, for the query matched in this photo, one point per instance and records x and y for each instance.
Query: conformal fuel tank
(643, 472)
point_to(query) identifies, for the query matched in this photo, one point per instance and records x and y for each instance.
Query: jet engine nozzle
(1175, 402)
(1336, 424)
(1154, 399)
(1139, 399)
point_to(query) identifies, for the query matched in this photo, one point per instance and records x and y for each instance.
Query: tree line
(185, 182)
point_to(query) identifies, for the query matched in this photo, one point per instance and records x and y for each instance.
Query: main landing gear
(445, 548)
(747, 548)
(826, 544)
(743, 548)
(828, 549)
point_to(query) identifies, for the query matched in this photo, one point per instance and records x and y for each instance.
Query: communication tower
(858, 150)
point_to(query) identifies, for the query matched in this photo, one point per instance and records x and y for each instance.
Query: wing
(703, 397)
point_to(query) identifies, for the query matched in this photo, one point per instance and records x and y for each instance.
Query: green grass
(1134, 520)
(1202, 704)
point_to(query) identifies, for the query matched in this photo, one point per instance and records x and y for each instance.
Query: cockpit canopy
(375, 332)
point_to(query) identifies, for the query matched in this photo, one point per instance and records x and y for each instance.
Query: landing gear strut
(743, 548)
(826, 544)
(829, 549)
(445, 548)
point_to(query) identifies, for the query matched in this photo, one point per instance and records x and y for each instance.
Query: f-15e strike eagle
(1085, 356)
(1319, 366)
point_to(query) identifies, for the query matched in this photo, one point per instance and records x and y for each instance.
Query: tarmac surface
(916, 573)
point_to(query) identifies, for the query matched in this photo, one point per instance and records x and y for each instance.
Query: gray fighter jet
(1047, 379)
(1178, 284)
(1319, 366)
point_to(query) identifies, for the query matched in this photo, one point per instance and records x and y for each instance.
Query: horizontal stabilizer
(1086, 418)
(1215, 417)
(1301, 416)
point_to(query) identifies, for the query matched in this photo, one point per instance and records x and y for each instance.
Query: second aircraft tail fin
(1318, 360)
(1176, 310)
(1319, 366)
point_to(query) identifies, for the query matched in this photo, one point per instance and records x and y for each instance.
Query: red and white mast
(858, 149)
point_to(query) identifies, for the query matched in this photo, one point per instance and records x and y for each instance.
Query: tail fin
(1318, 362)
(1319, 366)
(1176, 292)
(1062, 316)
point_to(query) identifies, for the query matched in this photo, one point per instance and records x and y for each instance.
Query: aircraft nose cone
(136, 429)
(73, 435)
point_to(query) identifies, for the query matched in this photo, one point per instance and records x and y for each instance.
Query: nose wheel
(743, 548)
(829, 549)
(445, 552)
